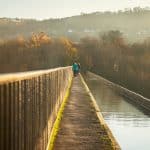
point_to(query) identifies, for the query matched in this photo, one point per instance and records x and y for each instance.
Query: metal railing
(29, 103)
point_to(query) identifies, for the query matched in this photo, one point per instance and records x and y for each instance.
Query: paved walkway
(80, 128)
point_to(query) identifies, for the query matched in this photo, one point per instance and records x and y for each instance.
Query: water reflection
(130, 126)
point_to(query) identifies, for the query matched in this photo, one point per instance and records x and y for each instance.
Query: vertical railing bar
(23, 114)
(19, 114)
(1, 116)
(6, 117)
(33, 113)
(11, 116)
(16, 115)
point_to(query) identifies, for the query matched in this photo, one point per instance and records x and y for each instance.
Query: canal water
(129, 125)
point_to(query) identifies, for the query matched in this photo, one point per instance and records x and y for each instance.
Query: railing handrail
(12, 77)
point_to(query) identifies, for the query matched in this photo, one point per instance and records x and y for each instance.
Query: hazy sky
(42, 9)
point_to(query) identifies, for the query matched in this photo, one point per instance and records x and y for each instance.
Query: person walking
(75, 68)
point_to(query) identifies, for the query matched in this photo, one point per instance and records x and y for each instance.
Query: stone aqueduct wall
(29, 103)
(132, 97)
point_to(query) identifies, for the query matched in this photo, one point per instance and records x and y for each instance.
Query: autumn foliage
(38, 52)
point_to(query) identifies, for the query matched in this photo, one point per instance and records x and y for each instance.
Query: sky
(44, 9)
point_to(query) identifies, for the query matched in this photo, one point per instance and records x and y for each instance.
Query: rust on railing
(29, 103)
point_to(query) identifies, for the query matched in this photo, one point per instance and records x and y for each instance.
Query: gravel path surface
(80, 128)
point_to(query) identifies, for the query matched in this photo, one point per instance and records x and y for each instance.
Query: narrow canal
(129, 125)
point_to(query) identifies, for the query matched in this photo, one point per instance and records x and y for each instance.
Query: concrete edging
(100, 117)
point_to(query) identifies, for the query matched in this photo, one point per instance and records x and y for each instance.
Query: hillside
(134, 24)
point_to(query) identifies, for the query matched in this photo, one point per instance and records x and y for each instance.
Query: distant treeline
(38, 52)
(133, 23)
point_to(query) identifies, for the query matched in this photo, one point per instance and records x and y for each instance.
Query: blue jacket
(75, 67)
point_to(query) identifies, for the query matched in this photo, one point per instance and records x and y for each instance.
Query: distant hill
(133, 23)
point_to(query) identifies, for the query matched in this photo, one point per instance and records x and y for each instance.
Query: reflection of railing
(29, 103)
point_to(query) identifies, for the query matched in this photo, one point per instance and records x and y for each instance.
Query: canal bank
(129, 125)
